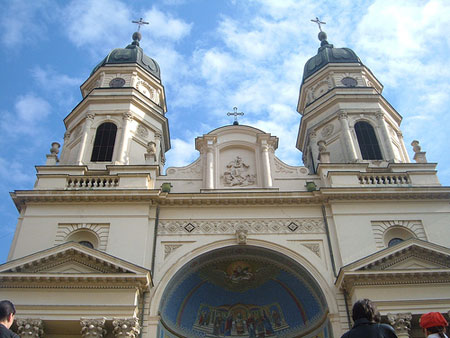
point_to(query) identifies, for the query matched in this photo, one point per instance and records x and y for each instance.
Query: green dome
(328, 54)
(131, 54)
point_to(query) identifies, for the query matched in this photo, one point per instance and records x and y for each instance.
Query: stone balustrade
(384, 179)
(94, 182)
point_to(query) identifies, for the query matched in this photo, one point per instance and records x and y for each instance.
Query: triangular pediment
(405, 255)
(71, 258)
(411, 257)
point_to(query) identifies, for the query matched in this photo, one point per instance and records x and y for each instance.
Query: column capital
(126, 327)
(342, 115)
(90, 116)
(379, 115)
(30, 327)
(312, 134)
(93, 327)
(127, 116)
(401, 322)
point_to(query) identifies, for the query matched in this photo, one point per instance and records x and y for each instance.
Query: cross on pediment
(140, 23)
(235, 113)
(318, 22)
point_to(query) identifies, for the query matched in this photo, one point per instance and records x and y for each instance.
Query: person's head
(433, 322)
(7, 312)
(365, 308)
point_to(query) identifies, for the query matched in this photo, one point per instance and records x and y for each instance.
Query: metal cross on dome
(318, 22)
(140, 23)
(235, 114)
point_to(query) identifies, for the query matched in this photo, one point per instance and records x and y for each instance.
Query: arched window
(104, 142)
(368, 143)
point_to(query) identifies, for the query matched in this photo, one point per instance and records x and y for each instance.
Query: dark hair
(6, 308)
(365, 308)
(436, 329)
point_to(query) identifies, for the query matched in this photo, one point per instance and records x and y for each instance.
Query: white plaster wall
(353, 223)
(130, 234)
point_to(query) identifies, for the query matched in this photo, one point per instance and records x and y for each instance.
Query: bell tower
(344, 115)
(121, 118)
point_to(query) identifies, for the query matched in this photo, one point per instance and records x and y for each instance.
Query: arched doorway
(243, 291)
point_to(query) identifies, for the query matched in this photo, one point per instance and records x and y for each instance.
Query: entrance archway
(242, 292)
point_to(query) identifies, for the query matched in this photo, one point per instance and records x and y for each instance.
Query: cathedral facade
(237, 243)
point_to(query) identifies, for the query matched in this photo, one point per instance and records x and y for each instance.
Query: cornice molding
(244, 197)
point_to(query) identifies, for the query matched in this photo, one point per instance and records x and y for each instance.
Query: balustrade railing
(384, 179)
(92, 182)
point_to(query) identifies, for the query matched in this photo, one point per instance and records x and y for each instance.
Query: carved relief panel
(237, 168)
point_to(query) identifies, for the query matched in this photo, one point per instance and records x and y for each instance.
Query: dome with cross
(328, 54)
(131, 54)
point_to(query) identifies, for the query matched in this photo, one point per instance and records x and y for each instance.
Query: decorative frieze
(401, 322)
(252, 226)
(29, 327)
(126, 328)
(93, 327)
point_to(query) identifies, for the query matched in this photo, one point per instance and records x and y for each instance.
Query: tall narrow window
(368, 143)
(104, 142)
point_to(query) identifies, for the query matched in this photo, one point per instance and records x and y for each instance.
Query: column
(314, 148)
(87, 126)
(401, 322)
(30, 328)
(127, 118)
(386, 139)
(209, 166)
(402, 144)
(347, 136)
(93, 327)
(267, 176)
(159, 150)
(126, 328)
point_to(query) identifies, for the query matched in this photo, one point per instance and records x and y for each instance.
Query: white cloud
(100, 23)
(13, 171)
(24, 21)
(29, 111)
(165, 26)
(182, 153)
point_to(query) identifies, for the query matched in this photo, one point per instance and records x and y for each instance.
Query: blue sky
(214, 55)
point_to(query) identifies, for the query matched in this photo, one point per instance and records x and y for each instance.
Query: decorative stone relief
(194, 169)
(93, 327)
(126, 328)
(142, 131)
(280, 168)
(401, 322)
(65, 229)
(169, 248)
(379, 228)
(29, 327)
(314, 247)
(252, 226)
(237, 174)
(241, 236)
(327, 130)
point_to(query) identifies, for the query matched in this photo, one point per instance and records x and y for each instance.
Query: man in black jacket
(367, 322)
(7, 313)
